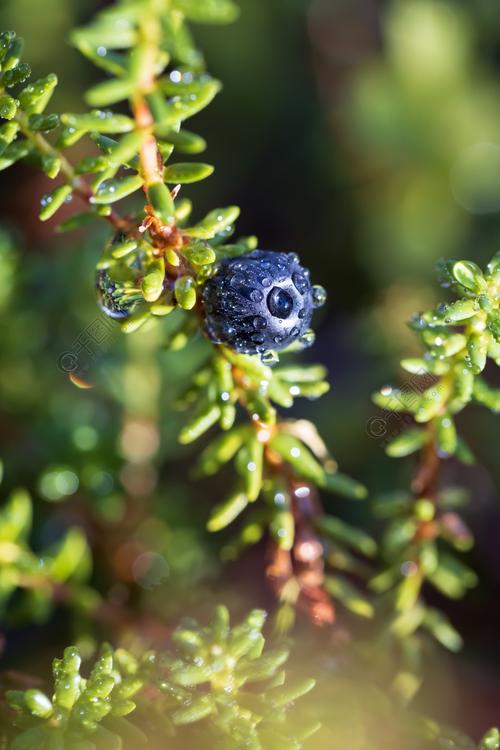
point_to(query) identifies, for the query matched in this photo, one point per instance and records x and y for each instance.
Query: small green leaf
(431, 402)
(446, 435)
(301, 374)
(491, 740)
(428, 366)
(226, 512)
(184, 173)
(251, 365)
(442, 630)
(105, 36)
(182, 107)
(114, 190)
(185, 292)
(408, 621)
(185, 141)
(214, 223)
(152, 283)
(35, 96)
(38, 703)
(109, 92)
(200, 253)
(477, 348)
(486, 395)
(349, 535)
(162, 202)
(136, 321)
(460, 310)
(343, 485)
(195, 710)
(209, 11)
(122, 249)
(106, 59)
(408, 591)
(469, 275)
(249, 464)
(125, 150)
(396, 400)
(349, 595)
(8, 132)
(283, 696)
(221, 451)
(51, 202)
(43, 123)
(298, 456)
(200, 424)
(14, 152)
(16, 517)
(102, 121)
(12, 54)
(17, 75)
(407, 443)
(8, 107)
(282, 528)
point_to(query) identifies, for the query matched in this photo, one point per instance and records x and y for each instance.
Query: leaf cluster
(217, 680)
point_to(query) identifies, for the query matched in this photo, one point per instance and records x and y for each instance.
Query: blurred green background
(363, 135)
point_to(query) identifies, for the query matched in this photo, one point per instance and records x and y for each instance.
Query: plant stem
(80, 186)
(424, 483)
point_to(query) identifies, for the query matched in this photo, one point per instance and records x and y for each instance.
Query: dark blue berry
(259, 302)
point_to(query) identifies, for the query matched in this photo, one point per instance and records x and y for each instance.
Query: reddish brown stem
(425, 482)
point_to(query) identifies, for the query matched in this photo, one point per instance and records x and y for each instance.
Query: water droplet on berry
(318, 295)
(237, 280)
(294, 332)
(266, 281)
(256, 295)
(280, 303)
(259, 322)
(300, 282)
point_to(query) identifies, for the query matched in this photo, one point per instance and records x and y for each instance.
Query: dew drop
(256, 295)
(237, 280)
(307, 338)
(269, 357)
(318, 295)
(266, 281)
(280, 303)
(300, 282)
(259, 322)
